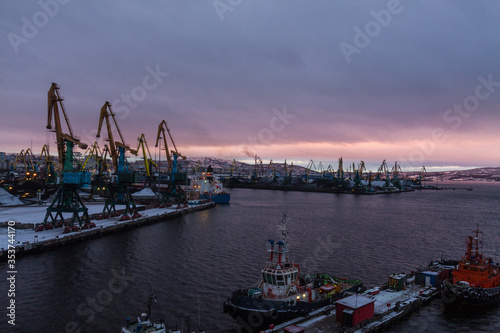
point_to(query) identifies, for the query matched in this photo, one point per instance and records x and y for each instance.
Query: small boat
(284, 292)
(476, 280)
(145, 324)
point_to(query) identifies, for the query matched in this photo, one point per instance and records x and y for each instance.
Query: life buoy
(255, 319)
(273, 314)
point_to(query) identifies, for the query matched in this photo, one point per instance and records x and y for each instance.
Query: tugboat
(145, 325)
(283, 292)
(476, 280)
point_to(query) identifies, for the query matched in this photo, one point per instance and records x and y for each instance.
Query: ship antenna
(150, 302)
(283, 228)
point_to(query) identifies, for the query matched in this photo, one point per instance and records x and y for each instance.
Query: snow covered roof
(355, 301)
(8, 199)
(147, 192)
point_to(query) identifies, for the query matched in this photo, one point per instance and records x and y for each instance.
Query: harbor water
(195, 261)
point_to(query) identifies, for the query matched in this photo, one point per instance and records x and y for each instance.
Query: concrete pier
(28, 241)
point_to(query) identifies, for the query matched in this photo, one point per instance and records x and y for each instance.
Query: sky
(417, 82)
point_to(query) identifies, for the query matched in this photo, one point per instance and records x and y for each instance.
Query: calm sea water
(196, 261)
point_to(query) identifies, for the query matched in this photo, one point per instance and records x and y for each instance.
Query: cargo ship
(209, 187)
(284, 292)
(476, 280)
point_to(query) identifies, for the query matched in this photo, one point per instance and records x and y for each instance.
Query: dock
(389, 303)
(28, 241)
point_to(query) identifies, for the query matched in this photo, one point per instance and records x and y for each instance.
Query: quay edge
(26, 248)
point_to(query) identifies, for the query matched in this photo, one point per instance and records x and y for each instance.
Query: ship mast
(280, 248)
(474, 246)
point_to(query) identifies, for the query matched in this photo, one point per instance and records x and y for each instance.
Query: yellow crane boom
(55, 104)
(148, 161)
(105, 114)
(162, 127)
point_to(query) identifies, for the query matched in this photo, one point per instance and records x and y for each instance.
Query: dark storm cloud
(226, 76)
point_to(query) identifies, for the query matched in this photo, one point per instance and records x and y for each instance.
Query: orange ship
(476, 279)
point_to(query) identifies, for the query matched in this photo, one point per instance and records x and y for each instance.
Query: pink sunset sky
(413, 82)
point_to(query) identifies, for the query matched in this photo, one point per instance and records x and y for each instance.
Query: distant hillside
(483, 174)
(224, 166)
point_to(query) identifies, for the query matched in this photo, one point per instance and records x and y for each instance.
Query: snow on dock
(30, 241)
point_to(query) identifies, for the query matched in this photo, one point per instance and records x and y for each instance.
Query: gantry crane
(259, 167)
(49, 172)
(176, 178)
(421, 175)
(92, 154)
(340, 170)
(290, 172)
(142, 145)
(234, 167)
(95, 159)
(396, 169)
(308, 169)
(271, 170)
(384, 171)
(358, 174)
(67, 198)
(329, 173)
(31, 165)
(124, 176)
(19, 158)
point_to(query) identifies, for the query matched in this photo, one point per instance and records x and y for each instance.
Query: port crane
(197, 166)
(30, 164)
(176, 178)
(308, 169)
(358, 173)
(421, 175)
(271, 170)
(396, 169)
(67, 199)
(124, 176)
(142, 145)
(384, 170)
(340, 170)
(288, 173)
(329, 173)
(234, 167)
(259, 168)
(92, 154)
(49, 172)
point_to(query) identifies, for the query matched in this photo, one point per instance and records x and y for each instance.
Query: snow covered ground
(36, 214)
